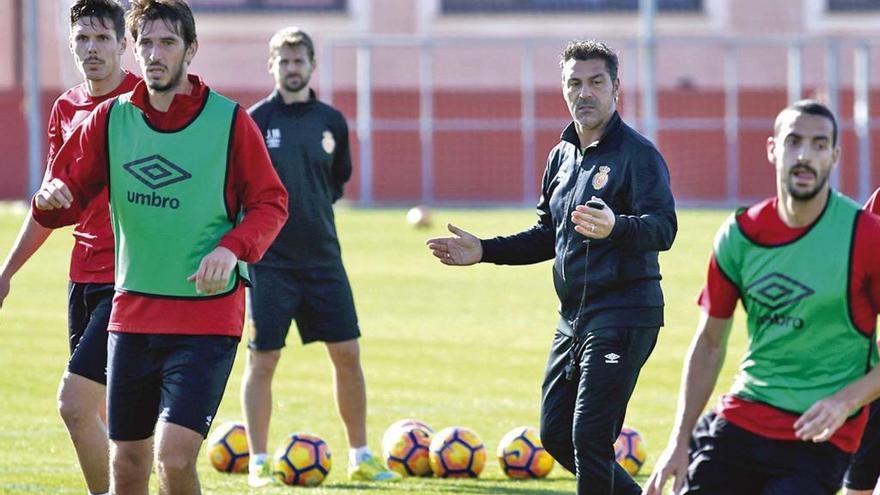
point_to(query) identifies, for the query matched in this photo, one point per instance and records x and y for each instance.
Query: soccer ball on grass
(522, 456)
(303, 459)
(629, 450)
(228, 448)
(457, 452)
(419, 217)
(408, 453)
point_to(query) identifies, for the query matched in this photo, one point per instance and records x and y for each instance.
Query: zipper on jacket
(573, 361)
(569, 209)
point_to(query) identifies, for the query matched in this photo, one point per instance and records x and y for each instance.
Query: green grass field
(451, 346)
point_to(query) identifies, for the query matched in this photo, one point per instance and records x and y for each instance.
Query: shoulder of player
(563, 153)
(730, 224)
(99, 115)
(873, 203)
(866, 238)
(260, 110)
(331, 113)
(869, 223)
(753, 218)
(751, 221)
(128, 83)
(76, 95)
(564, 149)
(635, 146)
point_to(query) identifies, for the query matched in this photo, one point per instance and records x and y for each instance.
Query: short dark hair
(589, 50)
(291, 36)
(103, 10)
(809, 107)
(175, 13)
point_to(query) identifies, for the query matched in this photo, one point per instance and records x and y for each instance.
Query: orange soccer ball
(407, 453)
(457, 452)
(522, 456)
(228, 448)
(303, 459)
(629, 450)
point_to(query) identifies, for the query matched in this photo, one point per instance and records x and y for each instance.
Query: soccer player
(804, 265)
(861, 477)
(192, 192)
(605, 211)
(97, 42)
(301, 277)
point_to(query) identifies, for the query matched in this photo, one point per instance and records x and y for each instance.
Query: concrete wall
(477, 67)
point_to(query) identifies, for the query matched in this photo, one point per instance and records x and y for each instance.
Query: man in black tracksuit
(301, 276)
(605, 211)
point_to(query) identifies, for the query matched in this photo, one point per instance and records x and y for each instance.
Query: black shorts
(178, 379)
(865, 467)
(319, 299)
(88, 313)
(729, 460)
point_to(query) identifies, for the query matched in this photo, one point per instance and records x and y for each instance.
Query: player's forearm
(31, 236)
(262, 221)
(700, 374)
(534, 245)
(57, 218)
(861, 392)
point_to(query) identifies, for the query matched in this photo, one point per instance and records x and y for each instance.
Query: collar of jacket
(278, 100)
(569, 135)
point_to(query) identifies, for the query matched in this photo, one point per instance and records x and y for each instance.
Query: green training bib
(167, 202)
(803, 345)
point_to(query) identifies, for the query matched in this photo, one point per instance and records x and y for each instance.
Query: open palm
(462, 250)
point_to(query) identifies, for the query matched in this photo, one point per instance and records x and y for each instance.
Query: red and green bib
(803, 345)
(167, 196)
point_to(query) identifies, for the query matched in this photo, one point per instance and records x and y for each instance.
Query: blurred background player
(606, 269)
(301, 277)
(183, 163)
(97, 42)
(861, 477)
(805, 267)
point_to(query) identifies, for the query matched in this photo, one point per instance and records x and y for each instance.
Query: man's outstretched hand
(462, 250)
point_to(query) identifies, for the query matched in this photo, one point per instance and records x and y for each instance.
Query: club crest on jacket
(600, 180)
(328, 143)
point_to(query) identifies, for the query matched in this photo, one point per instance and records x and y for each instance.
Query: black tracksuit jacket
(308, 144)
(621, 272)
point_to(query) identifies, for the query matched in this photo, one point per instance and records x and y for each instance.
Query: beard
(172, 83)
(293, 86)
(807, 195)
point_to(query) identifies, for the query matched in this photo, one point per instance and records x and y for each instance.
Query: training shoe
(261, 476)
(370, 469)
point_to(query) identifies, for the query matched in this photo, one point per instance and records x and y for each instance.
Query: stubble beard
(172, 83)
(295, 88)
(806, 195)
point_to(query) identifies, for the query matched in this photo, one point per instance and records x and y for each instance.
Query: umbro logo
(612, 358)
(776, 291)
(156, 172)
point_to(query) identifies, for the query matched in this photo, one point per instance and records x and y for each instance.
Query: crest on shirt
(600, 180)
(273, 138)
(328, 143)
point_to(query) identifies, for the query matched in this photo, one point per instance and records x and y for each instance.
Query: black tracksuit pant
(581, 417)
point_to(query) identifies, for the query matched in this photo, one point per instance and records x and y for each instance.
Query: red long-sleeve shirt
(719, 296)
(91, 260)
(252, 185)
